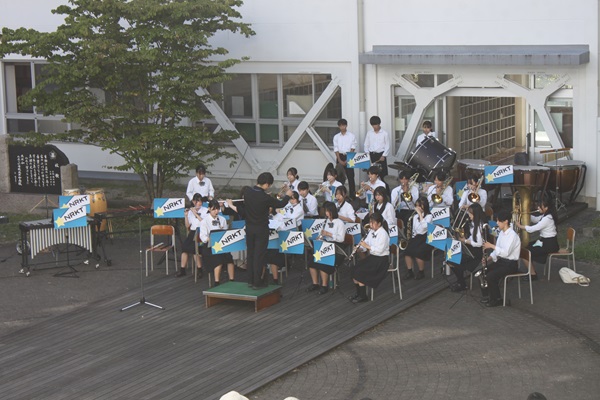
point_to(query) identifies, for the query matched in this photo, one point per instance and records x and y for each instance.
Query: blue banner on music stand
(353, 229)
(441, 216)
(454, 252)
(228, 241)
(273, 239)
(288, 225)
(74, 201)
(358, 160)
(496, 174)
(324, 253)
(313, 227)
(72, 217)
(393, 234)
(169, 208)
(436, 236)
(238, 224)
(459, 188)
(291, 242)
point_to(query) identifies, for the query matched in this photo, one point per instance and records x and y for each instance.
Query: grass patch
(588, 250)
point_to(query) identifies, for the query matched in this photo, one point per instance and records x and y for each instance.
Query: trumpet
(284, 188)
(320, 190)
(437, 196)
(367, 228)
(363, 188)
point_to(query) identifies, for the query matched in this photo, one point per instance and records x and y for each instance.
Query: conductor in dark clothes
(257, 203)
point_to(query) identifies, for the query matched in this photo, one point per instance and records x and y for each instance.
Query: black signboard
(35, 169)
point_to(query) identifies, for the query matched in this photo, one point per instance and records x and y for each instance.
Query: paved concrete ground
(436, 350)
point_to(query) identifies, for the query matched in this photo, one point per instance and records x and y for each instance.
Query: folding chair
(568, 252)
(165, 231)
(525, 255)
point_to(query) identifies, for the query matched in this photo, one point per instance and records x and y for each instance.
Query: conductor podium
(262, 298)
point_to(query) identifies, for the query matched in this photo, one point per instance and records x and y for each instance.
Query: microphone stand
(143, 298)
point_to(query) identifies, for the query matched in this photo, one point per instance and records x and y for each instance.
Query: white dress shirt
(544, 224)
(204, 187)
(422, 137)
(373, 186)
(295, 212)
(447, 196)
(400, 203)
(330, 194)
(346, 211)
(336, 229)
(387, 213)
(419, 226)
(311, 204)
(471, 241)
(210, 224)
(343, 143)
(508, 246)
(379, 241)
(378, 142)
(464, 199)
(193, 220)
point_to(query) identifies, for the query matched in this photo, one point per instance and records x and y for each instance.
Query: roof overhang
(574, 54)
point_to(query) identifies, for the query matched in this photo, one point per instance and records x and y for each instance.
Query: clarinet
(481, 274)
(355, 249)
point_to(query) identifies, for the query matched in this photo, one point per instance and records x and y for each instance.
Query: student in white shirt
(427, 131)
(403, 207)
(473, 240)
(470, 192)
(293, 179)
(334, 232)
(417, 244)
(384, 207)
(377, 144)
(200, 184)
(345, 210)
(372, 270)
(294, 209)
(344, 142)
(373, 183)
(447, 195)
(214, 262)
(193, 218)
(545, 224)
(308, 201)
(328, 187)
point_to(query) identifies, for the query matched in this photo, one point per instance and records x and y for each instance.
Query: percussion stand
(558, 204)
(44, 199)
(143, 298)
(72, 273)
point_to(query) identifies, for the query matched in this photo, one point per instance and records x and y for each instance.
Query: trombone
(407, 196)
(437, 196)
(474, 195)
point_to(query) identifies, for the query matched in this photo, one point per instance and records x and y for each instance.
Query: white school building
(494, 78)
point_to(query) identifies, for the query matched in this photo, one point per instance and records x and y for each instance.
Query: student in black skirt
(193, 218)
(473, 240)
(417, 244)
(213, 262)
(334, 231)
(547, 243)
(371, 270)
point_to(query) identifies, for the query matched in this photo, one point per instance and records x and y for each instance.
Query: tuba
(437, 196)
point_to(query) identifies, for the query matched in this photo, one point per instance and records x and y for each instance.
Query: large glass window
(237, 97)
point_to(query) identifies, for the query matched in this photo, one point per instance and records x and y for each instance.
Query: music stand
(143, 298)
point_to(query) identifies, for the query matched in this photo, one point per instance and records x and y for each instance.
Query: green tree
(127, 72)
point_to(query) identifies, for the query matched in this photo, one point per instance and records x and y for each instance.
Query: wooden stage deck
(188, 351)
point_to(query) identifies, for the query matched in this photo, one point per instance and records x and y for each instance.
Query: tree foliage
(127, 72)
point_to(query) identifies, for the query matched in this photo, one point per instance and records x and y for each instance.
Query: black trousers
(350, 176)
(257, 241)
(495, 273)
(383, 164)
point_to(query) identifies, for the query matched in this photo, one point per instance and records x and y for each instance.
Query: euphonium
(437, 197)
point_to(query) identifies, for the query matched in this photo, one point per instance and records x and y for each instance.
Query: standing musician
(373, 183)
(308, 201)
(446, 194)
(403, 207)
(344, 208)
(344, 142)
(505, 255)
(473, 193)
(547, 243)
(257, 203)
(293, 179)
(427, 131)
(193, 218)
(384, 207)
(334, 231)
(370, 271)
(473, 239)
(200, 184)
(377, 144)
(417, 242)
(328, 187)
(213, 262)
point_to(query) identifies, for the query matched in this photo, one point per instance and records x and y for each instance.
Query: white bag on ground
(569, 276)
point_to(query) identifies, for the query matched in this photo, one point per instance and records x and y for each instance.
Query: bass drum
(430, 157)
(98, 204)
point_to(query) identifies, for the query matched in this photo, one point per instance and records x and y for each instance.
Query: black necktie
(304, 206)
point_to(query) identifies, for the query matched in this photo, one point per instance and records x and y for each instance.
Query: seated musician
(372, 270)
(293, 210)
(384, 207)
(417, 240)
(308, 201)
(328, 187)
(373, 183)
(547, 243)
(214, 262)
(445, 195)
(505, 255)
(474, 192)
(193, 218)
(334, 231)
(473, 240)
(344, 208)
(404, 197)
